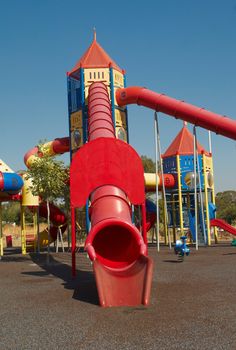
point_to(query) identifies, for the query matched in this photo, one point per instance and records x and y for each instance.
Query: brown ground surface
(192, 304)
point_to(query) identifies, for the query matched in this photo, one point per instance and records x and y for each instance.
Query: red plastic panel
(124, 287)
(106, 161)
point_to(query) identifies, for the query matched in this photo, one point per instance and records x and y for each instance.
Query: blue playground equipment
(181, 249)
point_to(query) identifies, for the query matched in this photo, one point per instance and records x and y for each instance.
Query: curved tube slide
(113, 243)
(150, 181)
(57, 146)
(116, 247)
(224, 225)
(179, 109)
(10, 182)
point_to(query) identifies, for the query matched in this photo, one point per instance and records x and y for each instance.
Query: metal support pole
(1, 238)
(59, 238)
(38, 242)
(157, 180)
(213, 187)
(209, 141)
(35, 217)
(73, 241)
(200, 191)
(206, 200)
(162, 178)
(181, 220)
(23, 233)
(195, 187)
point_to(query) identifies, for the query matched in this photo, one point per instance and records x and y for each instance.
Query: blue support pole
(85, 127)
(112, 96)
(126, 112)
(69, 109)
(87, 217)
(82, 97)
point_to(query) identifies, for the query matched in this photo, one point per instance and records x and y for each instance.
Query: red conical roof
(183, 145)
(94, 57)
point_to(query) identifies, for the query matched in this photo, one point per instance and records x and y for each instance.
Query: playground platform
(192, 304)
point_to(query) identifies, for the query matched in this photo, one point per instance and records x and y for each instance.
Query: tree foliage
(226, 206)
(49, 178)
(148, 165)
(11, 212)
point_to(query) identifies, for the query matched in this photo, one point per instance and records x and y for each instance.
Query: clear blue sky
(185, 49)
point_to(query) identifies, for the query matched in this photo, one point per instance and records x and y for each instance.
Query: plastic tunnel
(110, 172)
(178, 109)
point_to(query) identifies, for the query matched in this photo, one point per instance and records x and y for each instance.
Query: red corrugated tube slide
(110, 172)
(114, 240)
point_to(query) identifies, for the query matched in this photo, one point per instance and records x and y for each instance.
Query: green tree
(11, 212)
(148, 164)
(226, 206)
(49, 180)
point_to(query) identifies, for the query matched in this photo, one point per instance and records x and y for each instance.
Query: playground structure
(99, 174)
(58, 219)
(187, 160)
(106, 176)
(10, 184)
(183, 204)
(16, 187)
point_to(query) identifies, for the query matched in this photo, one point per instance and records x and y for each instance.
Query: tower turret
(178, 160)
(95, 65)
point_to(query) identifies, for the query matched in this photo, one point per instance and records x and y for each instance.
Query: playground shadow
(83, 284)
(173, 261)
(13, 255)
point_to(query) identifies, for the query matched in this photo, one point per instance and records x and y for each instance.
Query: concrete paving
(193, 304)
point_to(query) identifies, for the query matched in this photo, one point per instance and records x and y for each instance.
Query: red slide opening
(117, 244)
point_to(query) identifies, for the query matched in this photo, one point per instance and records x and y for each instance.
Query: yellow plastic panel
(76, 130)
(4, 167)
(208, 172)
(96, 74)
(120, 118)
(28, 199)
(118, 79)
(208, 163)
(76, 120)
